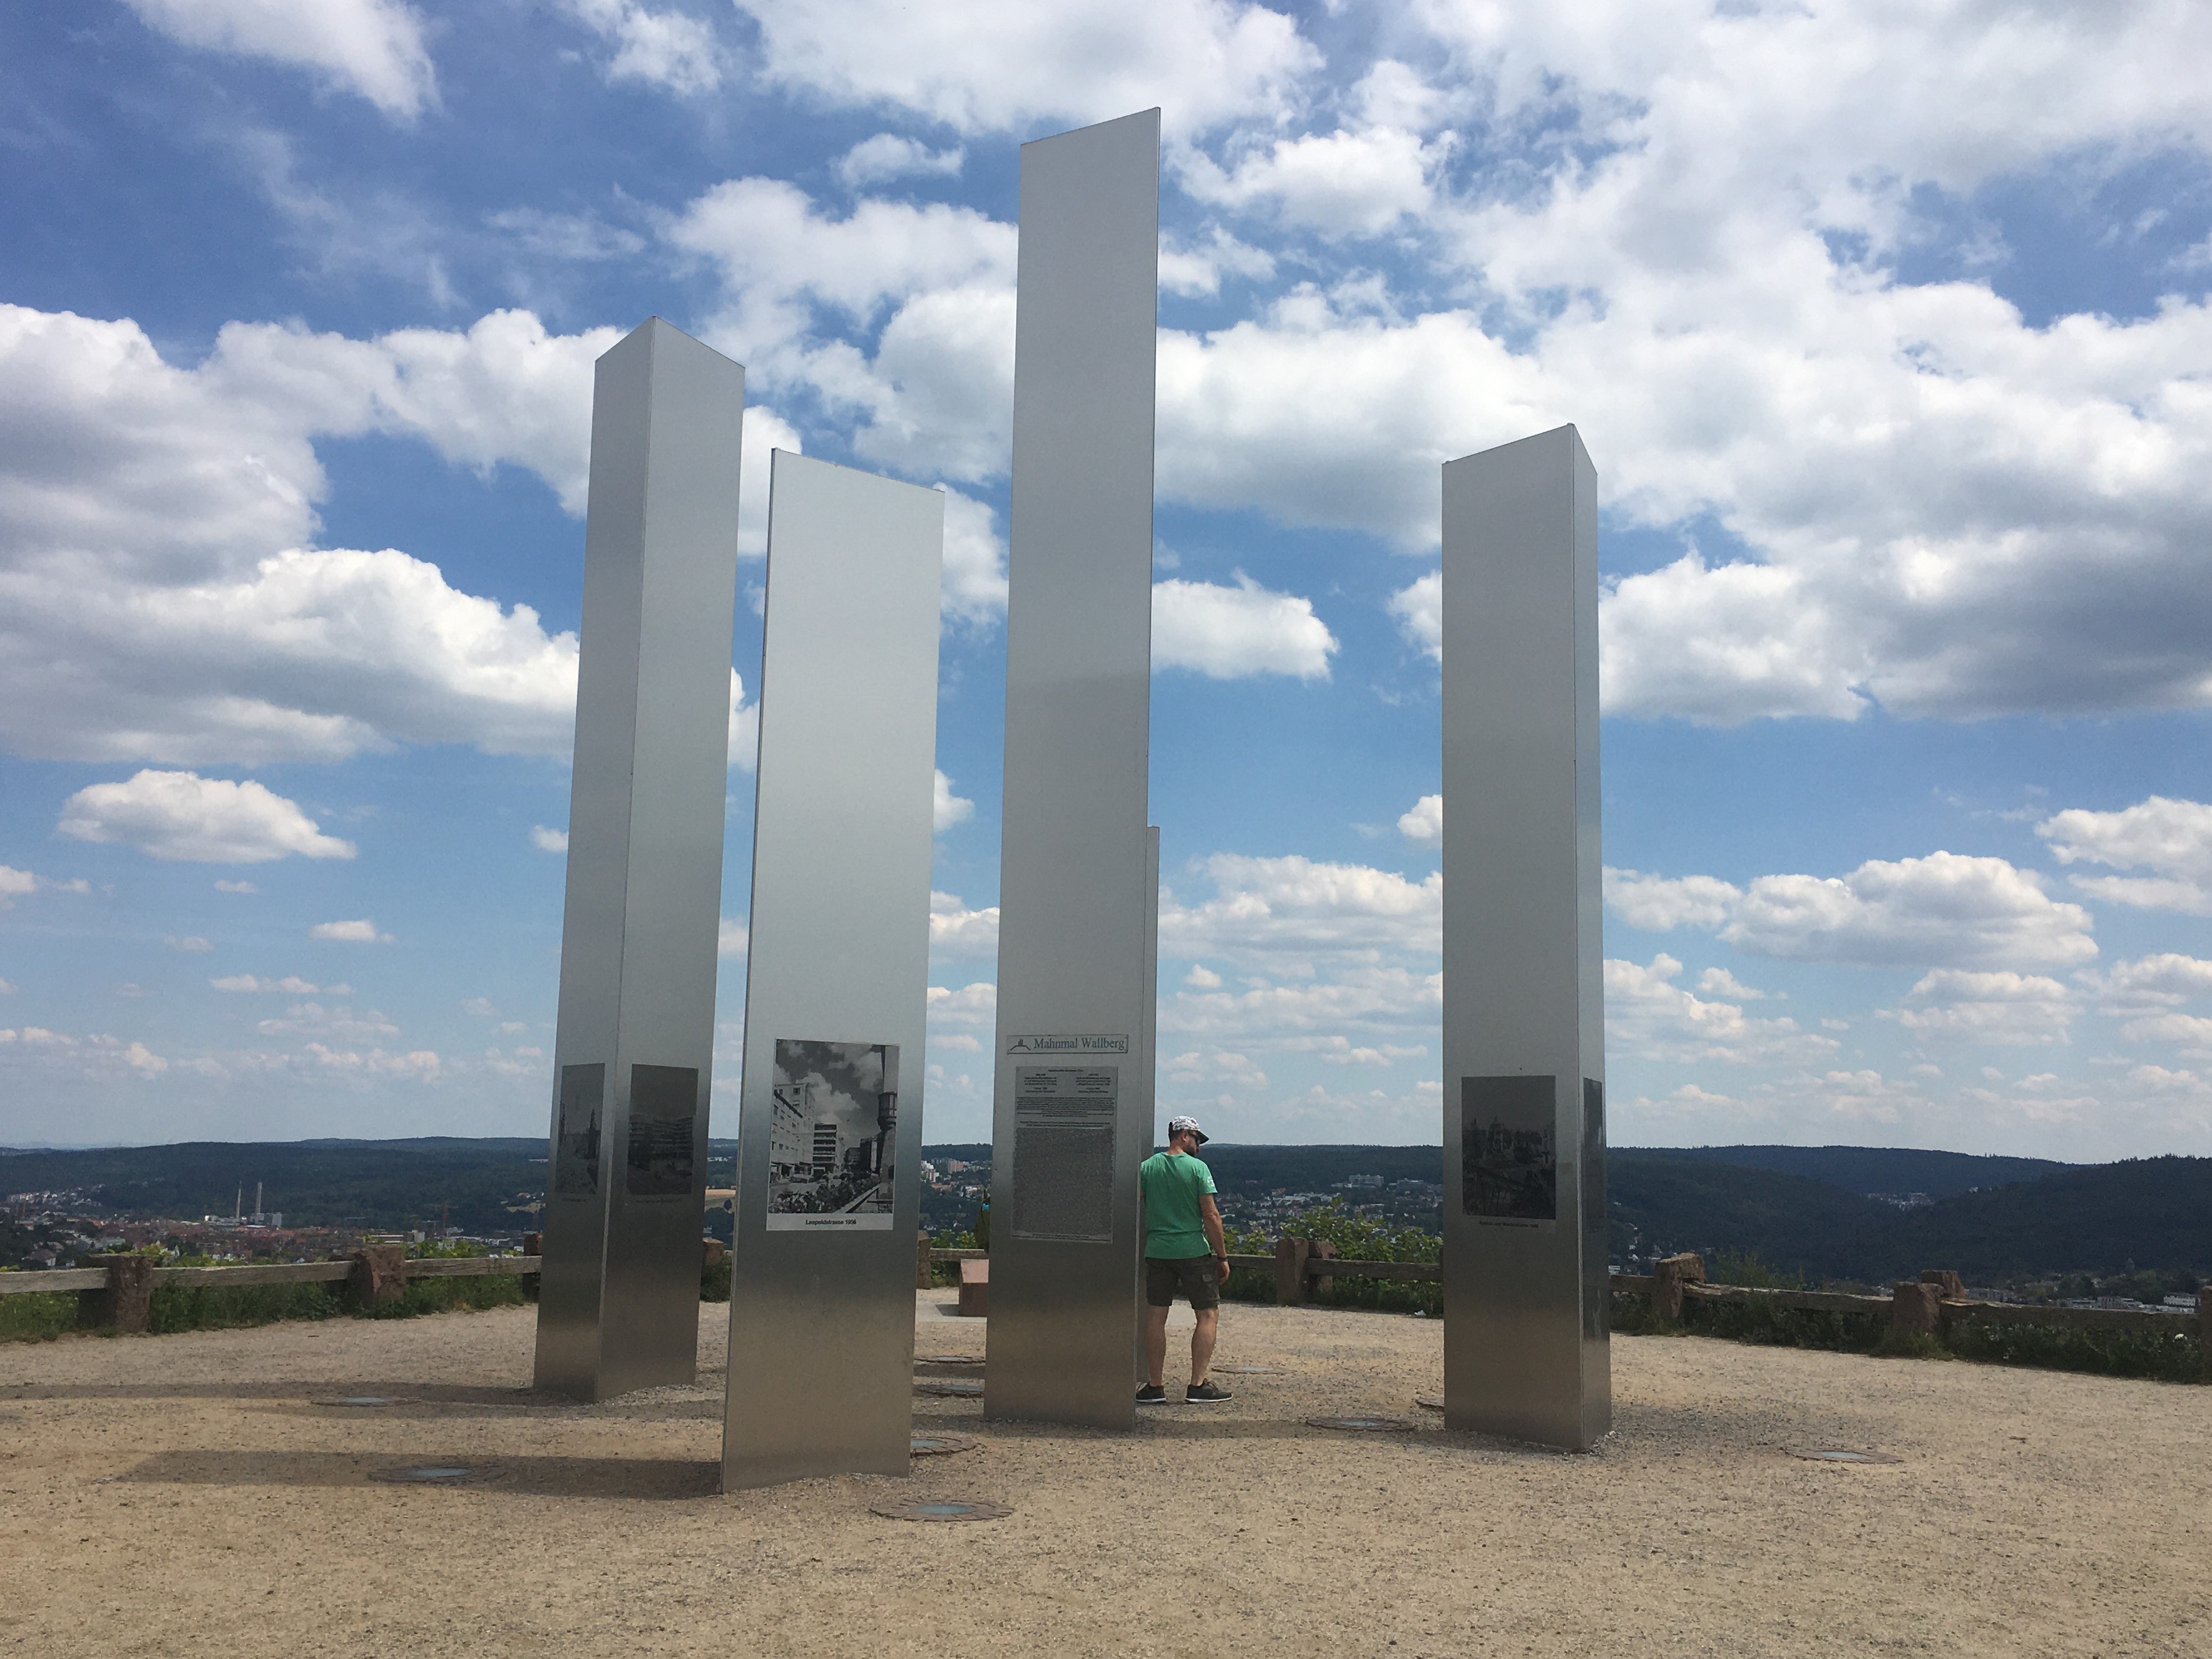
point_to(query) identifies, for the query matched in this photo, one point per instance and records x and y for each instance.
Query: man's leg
(1201, 1342)
(1156, 1345)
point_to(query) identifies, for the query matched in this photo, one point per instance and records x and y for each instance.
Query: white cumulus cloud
(549, 840)
(2002, 1008)
(887, 156)
(995, 64)
(1236, 632)
(359, 932)
(183, 817)
(2171, 839)
(958, 931)
(947, 809)
(670, 49)
(1946, 909)
(372, 47)
(1424, 822)
(1342, 184)
(1294, 907)
(1648, 1015)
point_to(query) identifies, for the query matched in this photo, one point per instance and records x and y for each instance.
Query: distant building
(788, 1153)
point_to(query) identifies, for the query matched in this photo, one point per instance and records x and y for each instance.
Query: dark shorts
(1195, 1277)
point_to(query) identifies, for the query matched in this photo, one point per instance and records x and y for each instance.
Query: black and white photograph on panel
(1508, 1147)
(833, 1137)
(664, 1110)
(576, 1144)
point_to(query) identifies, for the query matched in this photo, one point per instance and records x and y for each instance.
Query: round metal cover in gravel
(1434, 1402)
(1249, 1370)
(431, 1474)
(1841, 1455)
(361, 1400)
(940, 1508)
(941, 1445)
(1359, 1424)
(963, 1387)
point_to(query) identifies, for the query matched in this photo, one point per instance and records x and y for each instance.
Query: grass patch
(37, 1318)
(2164, 1356)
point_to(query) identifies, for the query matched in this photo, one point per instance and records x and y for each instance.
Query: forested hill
(2098, 1218)
(1885, 1169)
(1804, 1209)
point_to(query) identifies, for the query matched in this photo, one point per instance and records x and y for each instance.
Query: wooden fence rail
(1932, 1304)
(116, 1295)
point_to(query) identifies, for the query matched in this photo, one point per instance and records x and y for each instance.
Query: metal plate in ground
(952, 1359)
(1841, 1455)
(431, 1474)
(1434, 1402)
(965, 1388)
(1360, 1425)
(942, 1445)
(940, 1508)
(1249, 1370)
(363, 1400)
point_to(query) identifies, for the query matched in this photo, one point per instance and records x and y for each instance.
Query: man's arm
(1209, 1214)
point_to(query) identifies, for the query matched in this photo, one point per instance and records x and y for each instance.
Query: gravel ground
(190, 1494)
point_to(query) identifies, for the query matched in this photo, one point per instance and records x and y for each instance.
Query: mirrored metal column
(821, 1377)
(618, 1307)
(1071, 1122)
(1526, 1293)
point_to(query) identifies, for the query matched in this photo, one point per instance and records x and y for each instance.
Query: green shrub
(2167, 1356)
(38, 1317)
(951, 1238)
(1357, 1238)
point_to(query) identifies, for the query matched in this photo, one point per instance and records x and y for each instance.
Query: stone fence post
(1291, 1270)
(125, 1303)
(1319, 1250)
(380, 1274)
(2204, 1327)
(1669, 1275)
(1915, 1309)
(1950, 1287)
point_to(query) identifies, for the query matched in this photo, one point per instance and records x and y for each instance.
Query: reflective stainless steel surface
(837, 961)
(1147, 1079)
(1526, 1348)
(633, 1054)
(1072, 866)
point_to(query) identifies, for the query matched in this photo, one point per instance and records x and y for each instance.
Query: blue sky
(1886, 325)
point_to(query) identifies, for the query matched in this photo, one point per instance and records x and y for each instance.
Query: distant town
(2131, 1234)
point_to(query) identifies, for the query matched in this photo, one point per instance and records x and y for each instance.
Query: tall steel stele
(1526, 1290)
(618, 1306)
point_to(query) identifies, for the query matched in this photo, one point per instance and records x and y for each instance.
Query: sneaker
(1152, 1395)
(1205, 1393)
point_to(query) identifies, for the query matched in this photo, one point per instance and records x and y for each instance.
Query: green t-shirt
(1173, 1183)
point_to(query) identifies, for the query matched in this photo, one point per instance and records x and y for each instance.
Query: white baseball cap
(1177, 1125)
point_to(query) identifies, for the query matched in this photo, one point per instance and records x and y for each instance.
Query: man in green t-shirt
(1184, 1250)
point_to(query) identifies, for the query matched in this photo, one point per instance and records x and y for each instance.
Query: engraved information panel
(1063, 1152)
(576, 1152)
(663, 1100)
(833, 1137)
(1509, 1148)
